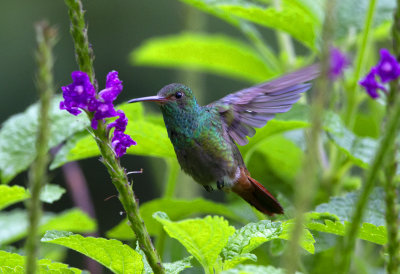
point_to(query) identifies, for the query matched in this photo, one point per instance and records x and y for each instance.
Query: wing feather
(253, 107)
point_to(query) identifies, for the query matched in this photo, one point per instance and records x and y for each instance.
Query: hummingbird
(205, 138)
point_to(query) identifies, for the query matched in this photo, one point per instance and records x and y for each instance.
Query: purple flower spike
(79, 94)
(120, 142)
(338, 62)
(371, 85)
(388, 68)
(113, 87)
(102, 111)
(119, 124)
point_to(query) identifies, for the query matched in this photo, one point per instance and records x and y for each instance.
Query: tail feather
(257, 195)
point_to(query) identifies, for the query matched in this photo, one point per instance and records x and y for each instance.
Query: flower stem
(308, 178)
(385, 146)
(117, 173)
(352, 104)
(45, 36)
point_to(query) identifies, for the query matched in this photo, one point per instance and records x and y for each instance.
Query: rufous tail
(257, 195)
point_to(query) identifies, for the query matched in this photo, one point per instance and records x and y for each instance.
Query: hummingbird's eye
(178, 94)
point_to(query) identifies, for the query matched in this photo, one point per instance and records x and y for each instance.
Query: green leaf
(343, 206)
(218, 54)
(176, 209)
(12, 194)
(203, 238)
(351, 15)
(361, 150)
(15, 263)
(51, 193)
(291, 18)
(178, 266)
(114, 255)
(14, 224)
(255, 269)
(151, 137)
(294, 119)
(18, 137)
(252, 235)
(368, 232)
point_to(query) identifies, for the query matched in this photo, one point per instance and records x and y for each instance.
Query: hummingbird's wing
(253, 107)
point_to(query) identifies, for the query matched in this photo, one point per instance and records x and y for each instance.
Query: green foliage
(218, 54)
(252, 235)
(51, 193)
(11, 195)
(18, 137)
(14, 224)
(203, 238)
(176, 209)
(145, 129)
(15, 263)
(254, 269)
(114, 255)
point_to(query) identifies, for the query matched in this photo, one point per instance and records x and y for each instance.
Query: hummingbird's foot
(208, 188)
(220, 185)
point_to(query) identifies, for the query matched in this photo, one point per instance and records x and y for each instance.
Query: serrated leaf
(15, 263)
(18, 137)
(203, 238)
(176, 209)
(113, 254)
(51, 193)
(218, 54)
(178, 266)
(291, 18)
(255, 269)
(252, 235)
(368, 232)
(14, 224)
(361, 150)
(12, 194)
(343, 206)
(151, 137)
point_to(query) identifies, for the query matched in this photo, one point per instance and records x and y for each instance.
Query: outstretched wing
(253, 107)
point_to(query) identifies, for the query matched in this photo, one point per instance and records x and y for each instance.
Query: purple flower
(79, 94)
(388, 68)
(120, 123)
(120, 142)
(102, 111)
(371, 85)
(113, 87)
(338, 62)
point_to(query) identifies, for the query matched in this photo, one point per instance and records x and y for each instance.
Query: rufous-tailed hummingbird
(204, 137)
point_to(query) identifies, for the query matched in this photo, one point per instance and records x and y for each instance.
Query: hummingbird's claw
(220, 185)
(208, 188)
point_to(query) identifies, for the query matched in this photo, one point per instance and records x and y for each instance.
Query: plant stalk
(308, 178)
(45, 37)
(118, 176)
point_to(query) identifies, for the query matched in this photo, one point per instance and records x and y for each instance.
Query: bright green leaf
(151, 137)
(212, 53)
(255, 269)
(290, 18)
(252, 235)
(14, 224)
(176, 209)
(15, 263)
(368, 232)
(114, 255)
(18, 137)
(203, 238)
(51, 193)
(12, 194)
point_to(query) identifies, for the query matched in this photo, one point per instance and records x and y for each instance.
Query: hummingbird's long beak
(156, 98)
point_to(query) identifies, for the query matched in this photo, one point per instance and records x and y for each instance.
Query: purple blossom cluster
(338, 62)
(81, 95)
(388, 69)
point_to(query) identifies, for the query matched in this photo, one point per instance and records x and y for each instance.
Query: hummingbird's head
(172, 96)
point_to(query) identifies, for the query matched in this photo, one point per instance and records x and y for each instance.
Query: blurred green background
(115, 29)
